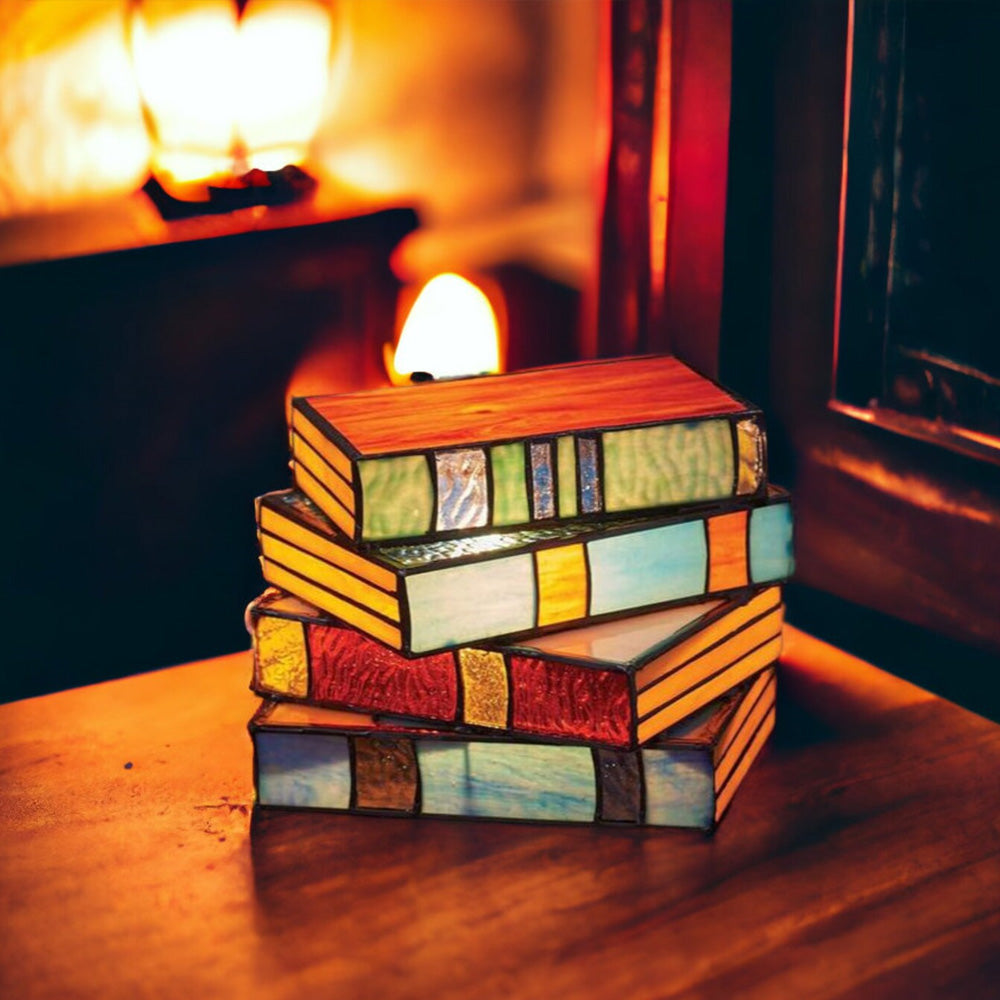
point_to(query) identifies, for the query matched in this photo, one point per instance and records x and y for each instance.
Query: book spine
(341, 668)
(404, 776)
(484, 487)
(671, 784)
(603, 577)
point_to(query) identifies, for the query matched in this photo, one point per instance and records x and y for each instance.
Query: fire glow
(452, 330)
(228, 89)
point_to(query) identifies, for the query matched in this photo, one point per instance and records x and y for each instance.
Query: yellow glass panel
(566, 464)
(341, 583)
(729, 776)
(726, 795)
(750, 703)
(287, 529)
(712, 662)
(306, 454)
(281, 660)
(330, 602)
(323, 445)
(716, 686)
(562, 584)
(727, 551)
(484, 682)
(700, 641)
(749, 440)
(305, 481)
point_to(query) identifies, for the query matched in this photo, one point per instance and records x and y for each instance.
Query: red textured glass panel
(563, 700)
(351, 670)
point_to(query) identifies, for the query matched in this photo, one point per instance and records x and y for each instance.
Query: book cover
(617, 683)
(578, 441)
(428, 597)
(314, 758)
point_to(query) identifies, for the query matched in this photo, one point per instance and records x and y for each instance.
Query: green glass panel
(667, 464)
(510, 492)
(566, 464)
(397, 496)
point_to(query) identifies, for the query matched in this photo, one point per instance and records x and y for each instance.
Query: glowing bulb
(451, 331)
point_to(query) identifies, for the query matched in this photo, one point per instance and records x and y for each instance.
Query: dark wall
(143, 411)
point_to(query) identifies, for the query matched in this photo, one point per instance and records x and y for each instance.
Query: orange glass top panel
(532, 403)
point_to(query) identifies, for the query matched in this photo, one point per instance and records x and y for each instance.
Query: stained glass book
(618, 683)
(313, 758)
(587, 440)
(437, 595)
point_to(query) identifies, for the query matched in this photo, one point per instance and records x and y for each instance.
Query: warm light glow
(283, 57)
(226, 93)
(451, 331)
(71, 126)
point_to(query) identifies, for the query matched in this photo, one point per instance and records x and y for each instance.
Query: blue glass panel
(590, 475)
(303, 769)
(680, 788)
(506, 780)
(663, 564)
(771, 556)
(543, 497)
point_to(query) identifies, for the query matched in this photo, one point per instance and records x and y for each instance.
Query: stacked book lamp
(550, 595)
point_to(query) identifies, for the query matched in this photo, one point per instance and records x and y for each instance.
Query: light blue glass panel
(467, 603)
(303, 769)
(507, 780)
(680, 788)
(771, 556)
(647, 567)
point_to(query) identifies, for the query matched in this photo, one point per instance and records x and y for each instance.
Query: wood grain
(861, 858)
(535, 403)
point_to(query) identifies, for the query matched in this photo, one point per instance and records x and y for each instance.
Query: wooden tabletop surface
(860, 858)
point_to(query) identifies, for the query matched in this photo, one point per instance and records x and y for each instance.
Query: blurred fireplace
(146, 361)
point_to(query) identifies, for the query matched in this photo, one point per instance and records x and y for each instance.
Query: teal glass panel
(510, 488)
(667, 464)
(680, 788)
(771, 556)
(507, 780)
(303, 769)
(649, 567)
(397, 496)
(461, 489)
(464, 603)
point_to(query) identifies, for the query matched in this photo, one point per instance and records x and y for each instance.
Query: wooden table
(861, 858)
